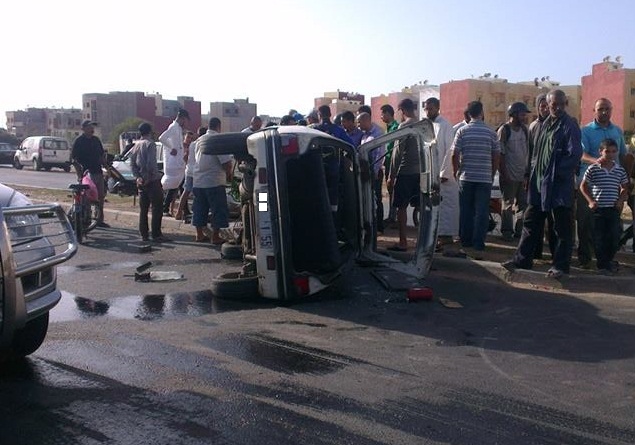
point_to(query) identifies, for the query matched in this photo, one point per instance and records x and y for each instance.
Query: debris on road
(451, 304)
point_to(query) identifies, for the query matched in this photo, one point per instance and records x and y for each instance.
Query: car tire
(37, 164)
(231, 251)
(17, 165)
(233, 286)
(28, 339)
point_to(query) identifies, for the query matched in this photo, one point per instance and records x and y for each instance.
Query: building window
(632, 91)
(632, 114)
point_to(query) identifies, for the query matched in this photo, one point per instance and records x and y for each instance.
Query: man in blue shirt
(324, 112)
(592, 135)
(375, 158)
(348, 123)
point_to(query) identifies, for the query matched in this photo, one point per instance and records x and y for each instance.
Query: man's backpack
(507, 131)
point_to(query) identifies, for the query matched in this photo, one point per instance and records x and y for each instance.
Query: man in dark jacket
(88, 155)
(558, 151)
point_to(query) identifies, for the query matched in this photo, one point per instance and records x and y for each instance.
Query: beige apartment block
(234, 116)
(340, 101)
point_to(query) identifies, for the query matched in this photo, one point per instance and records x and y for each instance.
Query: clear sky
(282, 54)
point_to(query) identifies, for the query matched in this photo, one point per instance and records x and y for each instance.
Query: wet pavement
(127, 362)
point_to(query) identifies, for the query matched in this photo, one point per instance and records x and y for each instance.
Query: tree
(5, 136)
(130, 124)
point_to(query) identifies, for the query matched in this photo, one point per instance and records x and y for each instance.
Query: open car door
(429, 198)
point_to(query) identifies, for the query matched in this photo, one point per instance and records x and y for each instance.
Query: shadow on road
(494, 316)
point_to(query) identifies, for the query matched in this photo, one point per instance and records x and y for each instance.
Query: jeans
(533, 229)
(151, 194)
(474, 213)
(212, 199)
(606, 235)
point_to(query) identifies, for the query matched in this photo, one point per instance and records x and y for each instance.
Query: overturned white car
(308, 209)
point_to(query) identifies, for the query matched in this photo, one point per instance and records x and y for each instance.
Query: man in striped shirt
(475, 158)
(604, 188)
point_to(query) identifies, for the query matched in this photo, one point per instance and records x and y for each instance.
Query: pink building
(610, 80)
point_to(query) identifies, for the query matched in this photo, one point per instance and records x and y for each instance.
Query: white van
(43, 152)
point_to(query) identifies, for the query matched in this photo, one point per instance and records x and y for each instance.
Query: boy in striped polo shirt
(604, 186)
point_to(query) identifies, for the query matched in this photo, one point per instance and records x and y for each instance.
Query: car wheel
(28, 339)
(37, 164)
(16, 164)
(48, 169)
(235, 286)
(231, 251)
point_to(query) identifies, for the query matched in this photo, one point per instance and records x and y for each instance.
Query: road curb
(462, 268)
(573, 283)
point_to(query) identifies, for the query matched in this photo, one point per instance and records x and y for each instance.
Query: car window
(55, 144)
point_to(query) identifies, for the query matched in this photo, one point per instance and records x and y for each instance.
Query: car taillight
(262, 175)
(301, 285)
(271, 263)
(290, 145)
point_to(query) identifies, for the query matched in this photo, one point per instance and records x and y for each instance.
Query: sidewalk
(453, 263)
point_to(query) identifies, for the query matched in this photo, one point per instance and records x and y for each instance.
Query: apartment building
(417, 93)
(234, 116)
(113, 108)
(60, 122)
(497, 94)
(611, 80)
(340, 101)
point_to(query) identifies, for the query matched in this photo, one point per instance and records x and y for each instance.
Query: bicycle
(83, 214)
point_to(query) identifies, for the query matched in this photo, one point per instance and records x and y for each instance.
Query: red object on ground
(419, 293)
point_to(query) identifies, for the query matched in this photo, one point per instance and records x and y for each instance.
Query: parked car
(122, 164)
(308, 209)
(7, 152)
(43, 152)
(33, 240)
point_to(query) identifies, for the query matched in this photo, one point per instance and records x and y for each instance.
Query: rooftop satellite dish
(618, 59)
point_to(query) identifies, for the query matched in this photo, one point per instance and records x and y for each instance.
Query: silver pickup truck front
(33, 240)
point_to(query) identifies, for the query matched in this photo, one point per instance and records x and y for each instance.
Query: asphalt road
(167, 363)
(54, 179)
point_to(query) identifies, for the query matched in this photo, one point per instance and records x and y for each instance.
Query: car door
(24, 151)
(429, 199)
(55, 151)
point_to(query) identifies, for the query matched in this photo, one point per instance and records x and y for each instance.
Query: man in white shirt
(173, 163)
(188, 156)
(449, 206)
(211, 175)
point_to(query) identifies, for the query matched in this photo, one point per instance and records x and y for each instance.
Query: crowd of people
(555, 177)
